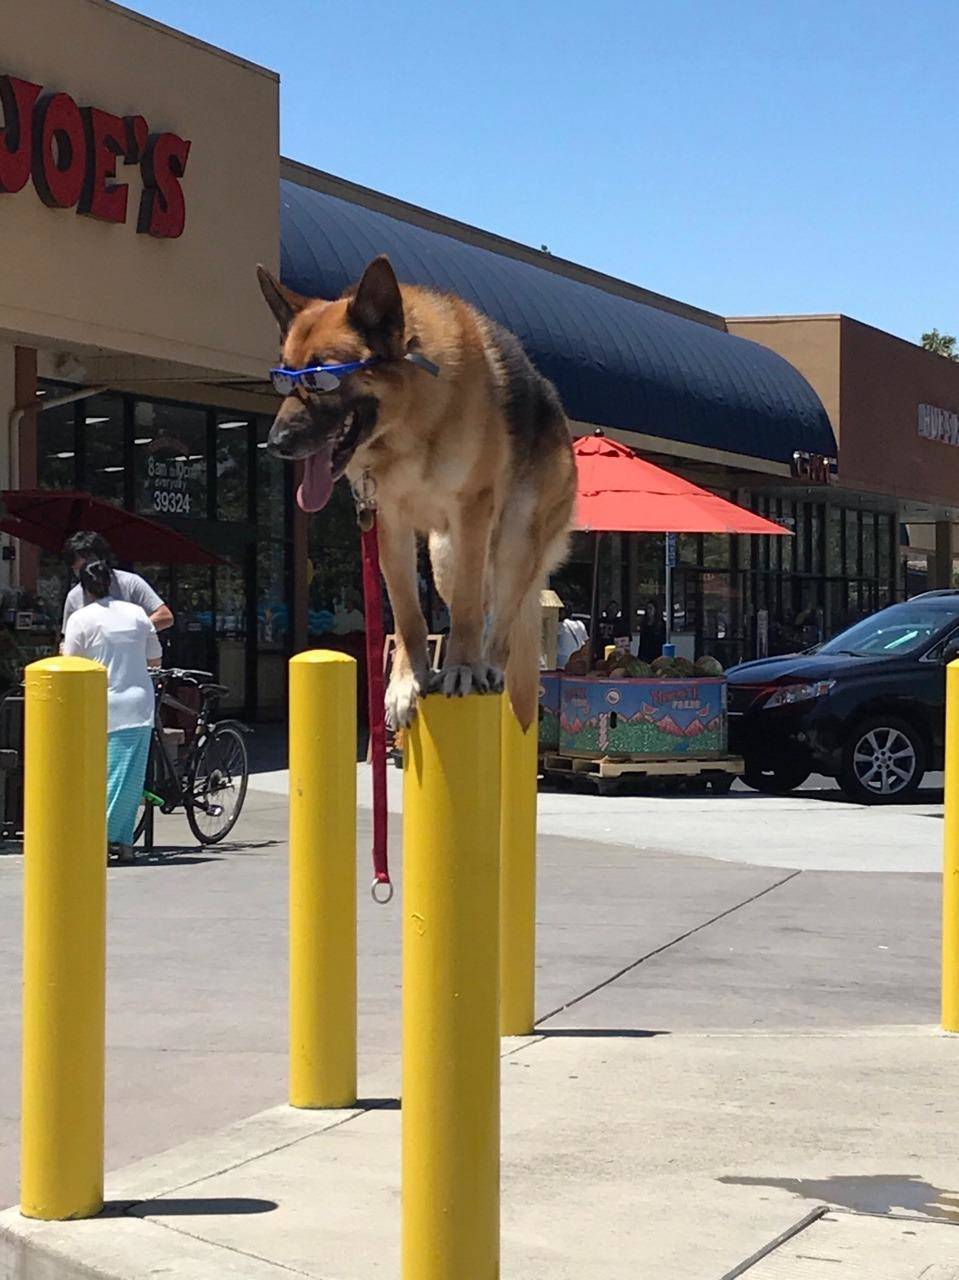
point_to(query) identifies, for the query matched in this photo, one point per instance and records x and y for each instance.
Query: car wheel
(883, 761)
(721, 783)
(778, 781)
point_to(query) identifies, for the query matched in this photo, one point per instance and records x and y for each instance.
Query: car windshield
(901, 629)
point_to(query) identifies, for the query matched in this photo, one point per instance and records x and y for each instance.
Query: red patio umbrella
(47, 517)
(616, 491)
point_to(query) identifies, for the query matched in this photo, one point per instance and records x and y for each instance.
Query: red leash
(373, 608)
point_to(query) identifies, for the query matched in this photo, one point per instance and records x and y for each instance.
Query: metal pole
(594, 645)
(322, 880)
(64, 939)
(520, 760)
(451, 1105)
(950, 878)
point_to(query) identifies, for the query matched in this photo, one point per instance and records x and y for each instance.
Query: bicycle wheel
(218, 778)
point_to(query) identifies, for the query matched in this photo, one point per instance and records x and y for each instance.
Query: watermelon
(683, 668)
(708, 666)
(638, 669)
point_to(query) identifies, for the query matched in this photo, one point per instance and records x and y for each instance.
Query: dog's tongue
(314, 492)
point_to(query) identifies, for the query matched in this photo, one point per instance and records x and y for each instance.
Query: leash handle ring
(381, 891)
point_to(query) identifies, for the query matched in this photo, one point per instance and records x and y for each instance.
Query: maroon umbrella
(47, 517)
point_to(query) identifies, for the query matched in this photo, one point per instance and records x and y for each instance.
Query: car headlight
(787, 694)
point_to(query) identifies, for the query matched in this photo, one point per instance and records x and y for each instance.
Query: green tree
(943, 344)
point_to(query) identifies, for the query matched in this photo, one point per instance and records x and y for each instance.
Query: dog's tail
(522, 666)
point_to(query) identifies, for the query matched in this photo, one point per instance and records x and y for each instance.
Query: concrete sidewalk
(675, 1156)
(726, 1045)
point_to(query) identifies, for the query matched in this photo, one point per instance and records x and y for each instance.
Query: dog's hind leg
(410, 675)
(527, 555)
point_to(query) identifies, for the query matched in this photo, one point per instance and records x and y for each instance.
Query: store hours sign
(174, 485)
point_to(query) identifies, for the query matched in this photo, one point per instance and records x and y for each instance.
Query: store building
(139, 186)
(138, 179)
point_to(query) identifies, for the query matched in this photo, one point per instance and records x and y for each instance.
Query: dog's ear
(376, 309)
(283, 302)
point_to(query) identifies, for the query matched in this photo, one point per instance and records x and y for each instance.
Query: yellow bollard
(950, 877)
(518, 876)
(451, 1106)
(322, 880)
(64, 939)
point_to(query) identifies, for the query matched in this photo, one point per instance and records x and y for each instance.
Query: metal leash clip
(382, 891)
(364, 496)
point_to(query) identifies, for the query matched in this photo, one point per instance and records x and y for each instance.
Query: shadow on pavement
(201, 1206)
(597, 1033)
(878, 1193)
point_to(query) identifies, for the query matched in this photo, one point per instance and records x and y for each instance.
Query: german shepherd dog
(477, 458)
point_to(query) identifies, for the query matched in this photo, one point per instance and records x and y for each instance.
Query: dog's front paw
(459, 679)
(402, 697)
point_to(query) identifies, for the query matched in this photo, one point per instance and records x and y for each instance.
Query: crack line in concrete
(259, 1155)
(230, 1248)
(665, 947)
(784, 1237)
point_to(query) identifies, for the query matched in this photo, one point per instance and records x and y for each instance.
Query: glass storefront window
(104, 461)
(884, 556)
(868, 545)
(232, 466)
(272, 606)
(687, 548)
(170, 459)
(231, 631)
(788, 552)
(57, 446)
(801, 541)
(716, 550)
(815, 564)
(834, 547)
(853, 566)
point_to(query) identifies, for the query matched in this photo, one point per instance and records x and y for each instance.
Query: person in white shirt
(572, 636)
(85, 546)
(119, 635)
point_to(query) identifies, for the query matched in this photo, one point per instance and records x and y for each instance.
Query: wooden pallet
(663, 767)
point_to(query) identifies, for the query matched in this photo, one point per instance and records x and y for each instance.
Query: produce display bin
(655, 719)
(549, 708)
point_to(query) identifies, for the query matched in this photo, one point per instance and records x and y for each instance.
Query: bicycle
(195, 763)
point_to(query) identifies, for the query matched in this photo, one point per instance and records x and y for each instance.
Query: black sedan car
(867, 707)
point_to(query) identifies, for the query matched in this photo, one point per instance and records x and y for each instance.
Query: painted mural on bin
(549, 685)
(642, 717)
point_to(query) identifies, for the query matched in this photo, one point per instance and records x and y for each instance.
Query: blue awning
(616, 363)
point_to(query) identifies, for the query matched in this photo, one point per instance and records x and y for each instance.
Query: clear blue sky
(749, 156)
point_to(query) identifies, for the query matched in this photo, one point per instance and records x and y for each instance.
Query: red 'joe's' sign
(72, 153)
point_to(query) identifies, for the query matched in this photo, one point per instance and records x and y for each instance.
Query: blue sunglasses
(318, 377)
(327, 377)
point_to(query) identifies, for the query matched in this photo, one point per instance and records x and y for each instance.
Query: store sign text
(938, 424)
(71, 153)
(171, 480)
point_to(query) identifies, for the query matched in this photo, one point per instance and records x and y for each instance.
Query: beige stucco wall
(70, 280)
(809, 343)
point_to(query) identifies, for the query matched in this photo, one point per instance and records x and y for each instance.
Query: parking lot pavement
(647, 919)
(813, 829)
